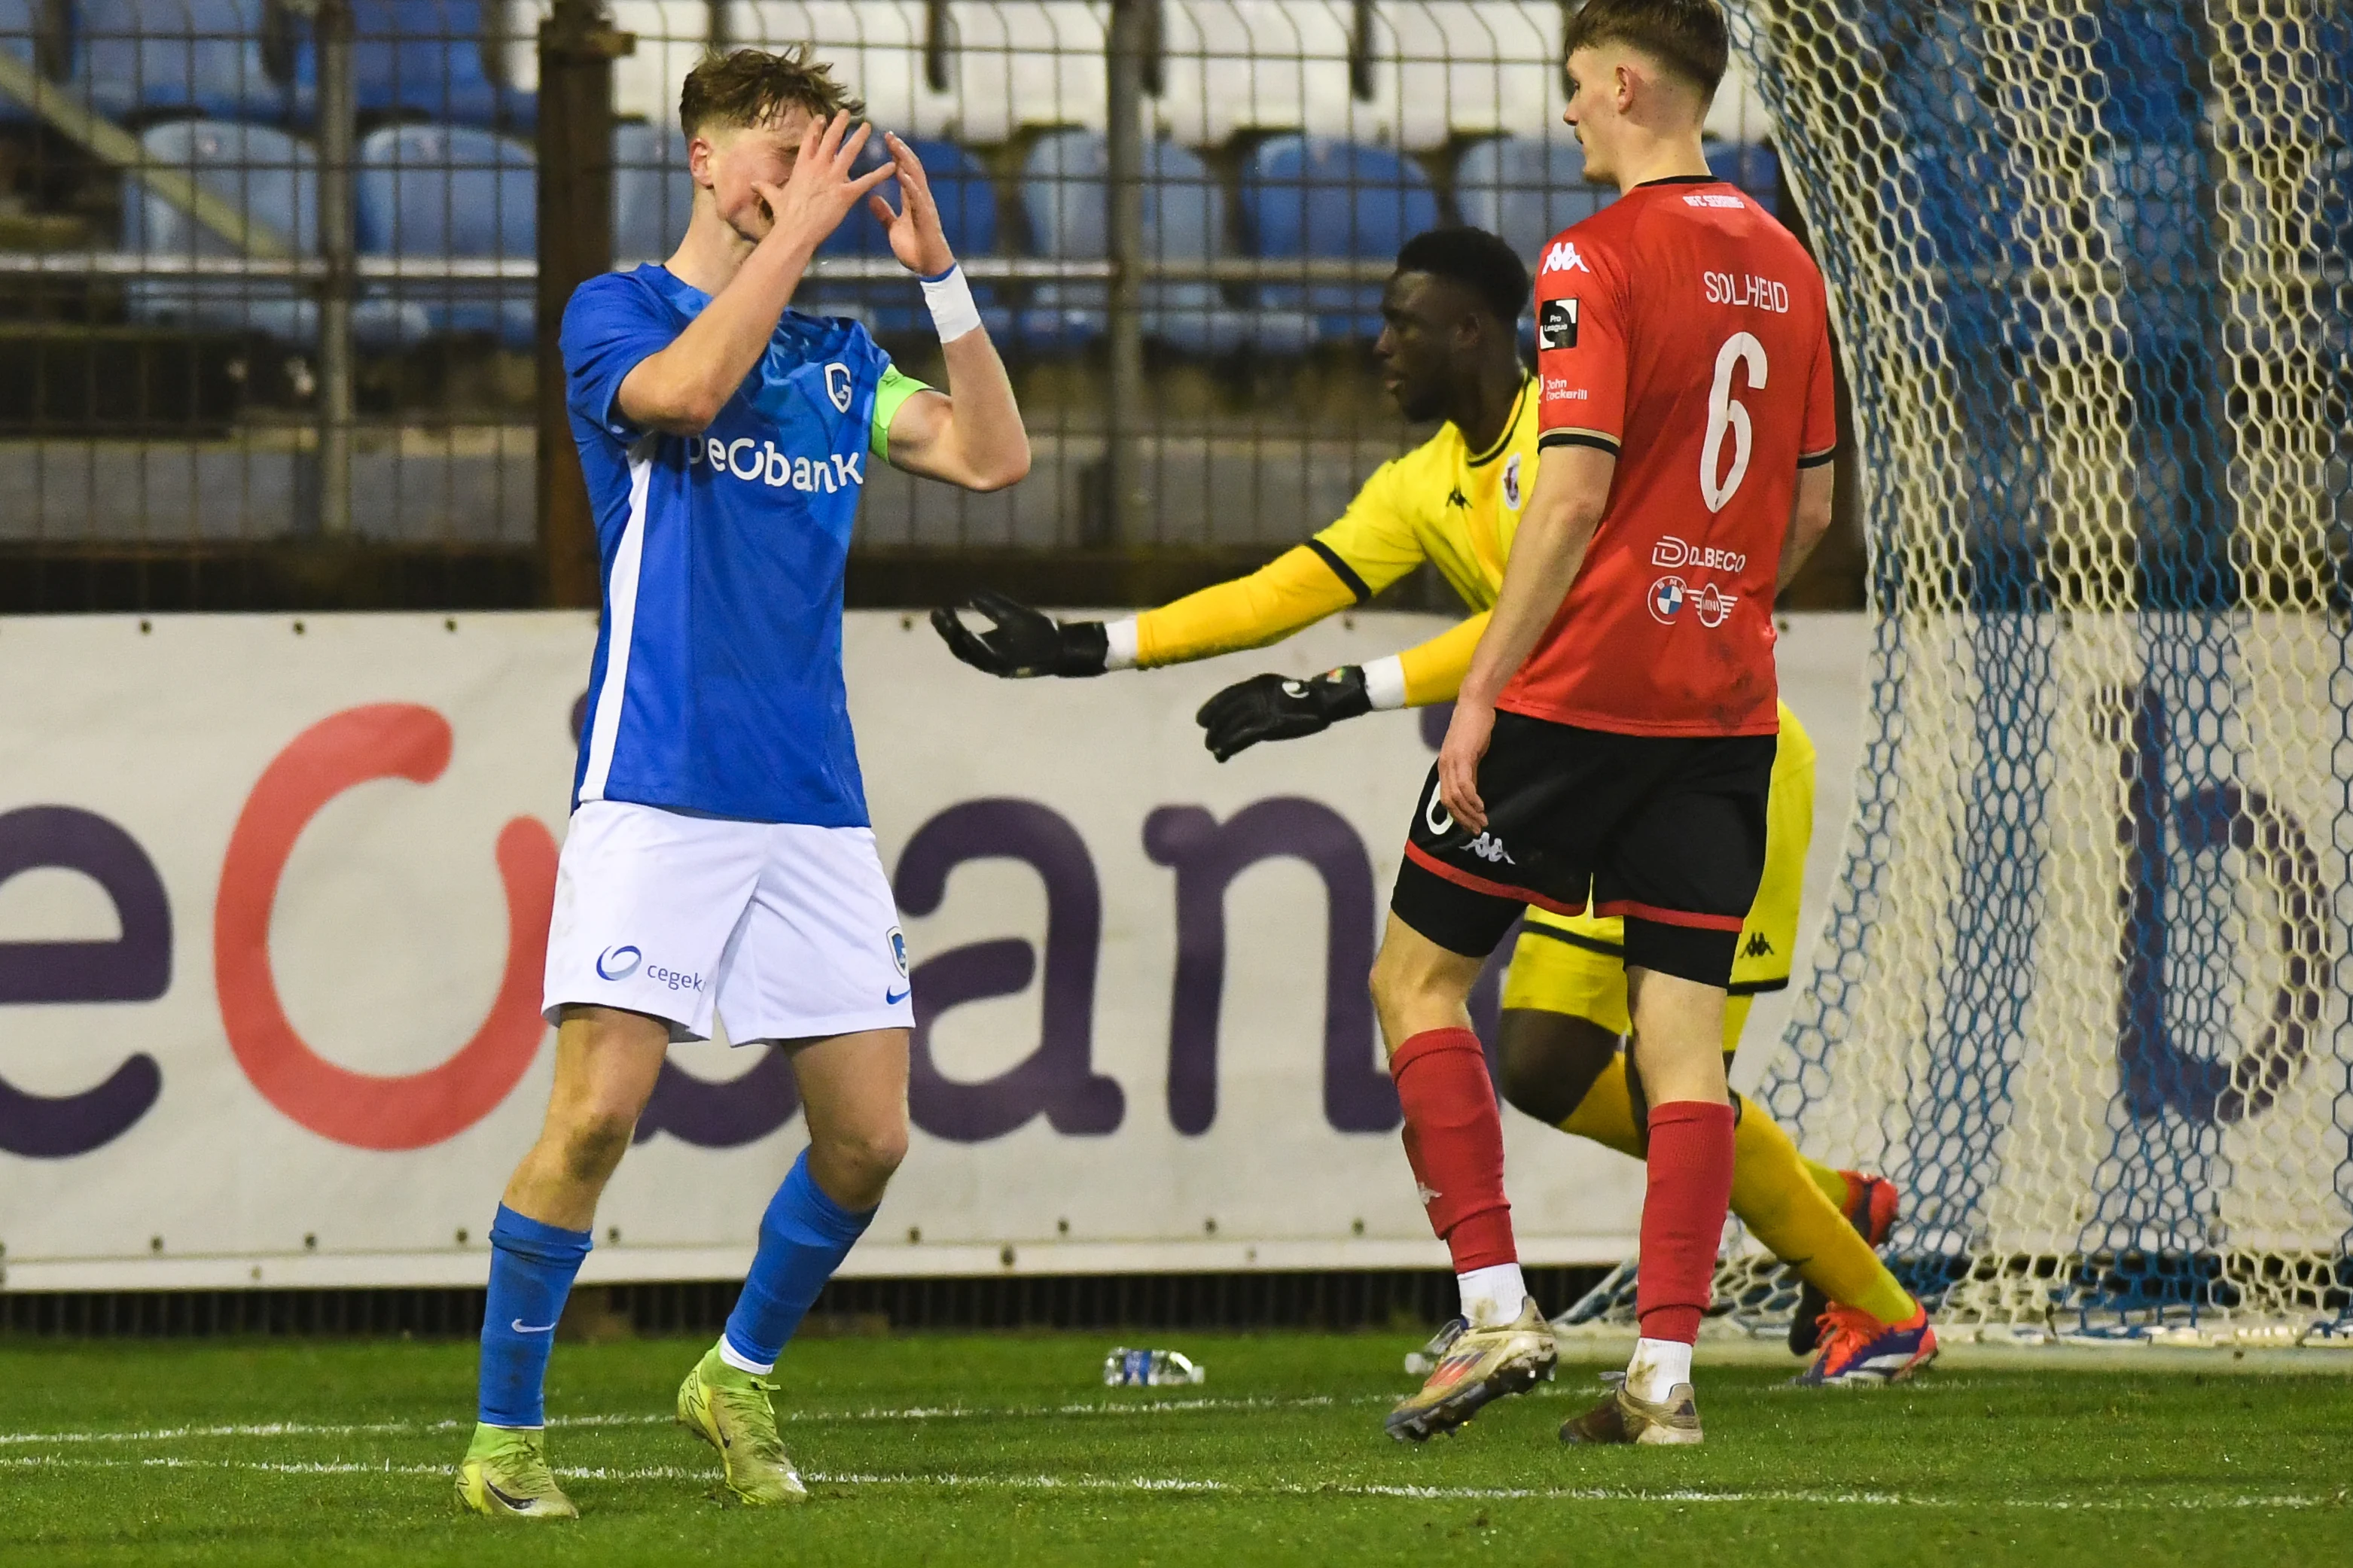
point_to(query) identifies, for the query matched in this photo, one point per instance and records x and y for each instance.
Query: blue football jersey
(717, 686)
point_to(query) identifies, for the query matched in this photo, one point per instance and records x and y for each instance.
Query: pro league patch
(1557, 324)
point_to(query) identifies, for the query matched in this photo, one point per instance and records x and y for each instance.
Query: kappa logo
(1673, 552)
(839, 385)
(1490, 848)
(1757, 946)
(1667, 600)
(1563, 258)
(1713, 608)
(1512, 481)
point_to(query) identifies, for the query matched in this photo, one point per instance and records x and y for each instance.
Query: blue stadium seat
(423, 58)
(967, 201)
(1065, 198)
(1312, 196)
(143, 58)
(433, 191)
(653, 194)
(1526, 191)
(269, 174)
(273, 178)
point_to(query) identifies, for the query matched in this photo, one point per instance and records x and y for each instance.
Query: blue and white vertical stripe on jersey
(605, 729)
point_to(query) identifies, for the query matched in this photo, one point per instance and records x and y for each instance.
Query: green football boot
(730, 1410)
(506, 1475)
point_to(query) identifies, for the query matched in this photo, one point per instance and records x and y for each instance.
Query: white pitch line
(900, 1412)
(953, 1481)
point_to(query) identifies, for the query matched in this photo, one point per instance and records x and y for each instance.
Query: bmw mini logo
(899, 950)
(618, 963)
(1666, 600)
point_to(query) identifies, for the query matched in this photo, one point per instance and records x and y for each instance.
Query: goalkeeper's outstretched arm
(1296, 589)
(1292, 592)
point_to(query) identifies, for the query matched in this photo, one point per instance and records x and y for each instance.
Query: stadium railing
(271, 270)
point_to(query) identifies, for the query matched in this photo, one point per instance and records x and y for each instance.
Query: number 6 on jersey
(1726, 414)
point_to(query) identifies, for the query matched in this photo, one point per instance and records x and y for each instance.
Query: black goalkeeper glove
(1021, 642)
(1276, 708)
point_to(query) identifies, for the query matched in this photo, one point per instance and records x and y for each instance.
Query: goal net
(2082, 987)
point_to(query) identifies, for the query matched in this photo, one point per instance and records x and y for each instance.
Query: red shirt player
(1613, 741)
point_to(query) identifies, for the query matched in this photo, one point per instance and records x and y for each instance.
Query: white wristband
(950, 298)
(1385, 683)
(1120, 645)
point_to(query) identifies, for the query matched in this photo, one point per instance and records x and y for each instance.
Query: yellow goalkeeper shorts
(1576, 964)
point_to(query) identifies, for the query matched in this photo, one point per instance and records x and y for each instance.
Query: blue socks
(532, 1269)
(804, 1237)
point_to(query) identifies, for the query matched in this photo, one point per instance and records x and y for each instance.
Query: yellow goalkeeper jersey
(1441, 502)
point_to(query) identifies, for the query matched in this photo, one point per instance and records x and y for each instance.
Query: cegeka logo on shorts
(621, 962)
(1673, 552)
(1563, 258)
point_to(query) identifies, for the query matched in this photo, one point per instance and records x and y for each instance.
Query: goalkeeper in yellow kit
(1448, 350)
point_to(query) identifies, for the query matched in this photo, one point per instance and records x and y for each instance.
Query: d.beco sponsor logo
(760, 462)
(1673, 552)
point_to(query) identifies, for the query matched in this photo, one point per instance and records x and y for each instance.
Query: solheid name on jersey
(759, 461)
(1756, 293)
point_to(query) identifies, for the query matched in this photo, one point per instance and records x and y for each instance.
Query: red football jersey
(1683, 330)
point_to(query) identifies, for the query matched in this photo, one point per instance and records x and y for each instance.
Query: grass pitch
(1005, 1449)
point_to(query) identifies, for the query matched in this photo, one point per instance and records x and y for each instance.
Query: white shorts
(786, 931)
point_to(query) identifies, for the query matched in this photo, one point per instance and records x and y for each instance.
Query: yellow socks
(1606, 1114)
(1787, 1202)
(1779, 1196)
(1832, 1183)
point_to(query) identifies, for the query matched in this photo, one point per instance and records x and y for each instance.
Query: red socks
(1454, 1140)
(1683, 1216)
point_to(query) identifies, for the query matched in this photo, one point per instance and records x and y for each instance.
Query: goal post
(2082, 990)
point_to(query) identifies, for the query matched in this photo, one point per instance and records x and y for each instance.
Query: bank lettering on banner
(1140, 1010)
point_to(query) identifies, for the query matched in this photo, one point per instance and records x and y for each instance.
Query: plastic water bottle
(1125, 1368)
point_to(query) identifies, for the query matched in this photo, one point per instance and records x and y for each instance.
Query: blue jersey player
(718, 861)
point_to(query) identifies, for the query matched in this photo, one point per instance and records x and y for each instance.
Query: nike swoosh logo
(519, 1326)
(519, 1504)
(892, 998)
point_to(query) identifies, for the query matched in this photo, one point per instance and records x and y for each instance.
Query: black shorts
(1667, 831)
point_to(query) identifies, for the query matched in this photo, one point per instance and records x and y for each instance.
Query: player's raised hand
(1020, 642)
(916, 236)
(1467, 734)
(1278, 707)
(822, 188)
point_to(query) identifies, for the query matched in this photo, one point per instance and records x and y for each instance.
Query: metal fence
(269, 266)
